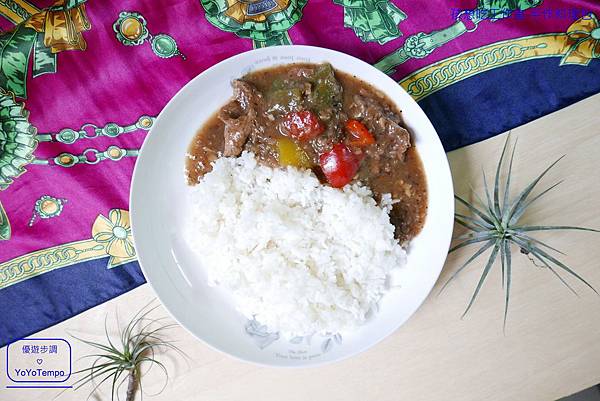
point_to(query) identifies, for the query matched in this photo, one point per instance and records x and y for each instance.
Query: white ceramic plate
(158, 204)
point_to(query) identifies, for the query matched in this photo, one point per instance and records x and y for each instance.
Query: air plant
(495, 223)
(122, 360)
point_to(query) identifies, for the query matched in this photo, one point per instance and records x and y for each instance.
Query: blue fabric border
(50, 298)
(496, 101)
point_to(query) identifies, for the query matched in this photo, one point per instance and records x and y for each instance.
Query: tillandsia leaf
(132, 322)
(96, 374)
(156, 343)
(118, 374)
(552, 228)
(473, 241)
(94, 366)
(477, 234)
(497, 179)
(139, 351)
(465, 224)
(89, 377)
(508, 256)
(478, 222)
(535, 250)
(490, 207)
(108, 376)
(164, 369)
(503, 262)
(527, 238)
(505, 201)
(113, 386)
(145, 334)
(150, 321)
(107, 356)
(525, 193)
(481, 202)
(473, 209)
(484, 274)
(547, 265)
(137, 318)
(100, 346)
(481, 250)
(523, 207)
(563, 266)
(97, 371)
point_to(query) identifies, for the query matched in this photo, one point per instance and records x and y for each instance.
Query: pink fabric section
(110, 82)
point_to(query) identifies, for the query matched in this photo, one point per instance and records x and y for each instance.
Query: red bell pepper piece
(359, 134)
(302, 125)
(339, 165)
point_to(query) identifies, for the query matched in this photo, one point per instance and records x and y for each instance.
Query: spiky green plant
(121, 360)
(495, 223)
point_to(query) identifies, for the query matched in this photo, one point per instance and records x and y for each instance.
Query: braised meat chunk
(239, 117)
(382, 122)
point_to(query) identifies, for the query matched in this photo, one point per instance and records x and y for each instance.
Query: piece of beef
(240, 117)
(392, 139)
(334, 133)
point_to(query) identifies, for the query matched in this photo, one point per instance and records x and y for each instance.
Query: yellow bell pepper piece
(290, 154)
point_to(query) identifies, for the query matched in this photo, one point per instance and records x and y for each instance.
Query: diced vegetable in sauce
(339, 165)
(326, 91)
(284, 97)
(302, 125)
(359, 134)
(290, 154)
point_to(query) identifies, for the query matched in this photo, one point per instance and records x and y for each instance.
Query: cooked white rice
(298, 256)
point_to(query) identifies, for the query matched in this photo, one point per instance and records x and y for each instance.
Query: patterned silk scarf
(81, 83)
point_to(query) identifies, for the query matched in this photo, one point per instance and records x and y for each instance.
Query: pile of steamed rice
(298, 256)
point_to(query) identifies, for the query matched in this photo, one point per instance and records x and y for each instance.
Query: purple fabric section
(110, 82)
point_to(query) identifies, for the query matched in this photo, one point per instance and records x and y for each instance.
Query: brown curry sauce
(406, 181)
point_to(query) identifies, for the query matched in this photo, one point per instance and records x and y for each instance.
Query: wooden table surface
(551, 347)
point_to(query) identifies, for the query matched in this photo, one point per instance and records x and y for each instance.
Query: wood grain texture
(552, 343)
